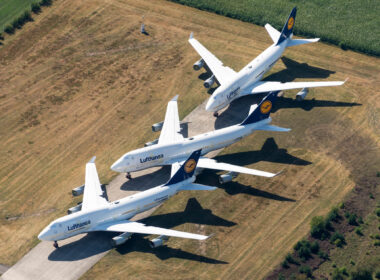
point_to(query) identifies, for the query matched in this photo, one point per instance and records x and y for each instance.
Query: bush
(9, 29)
(358, 231)
(314, 247)
(46, 3)
(26, 16)
(320, 228)
(351, 218)
(376, 243)
(289, 258)
(338, 239)
(305, 269)
(285, 264)
(36, 8)
(339, 273)
(377, 274)
(323, 255)
(361, 274)
(333, 215)
(377, 212)
(281, 277)
(303, 249)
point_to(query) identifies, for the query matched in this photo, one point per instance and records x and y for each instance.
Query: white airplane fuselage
(165, 154)
(246, 78)
(126, 208)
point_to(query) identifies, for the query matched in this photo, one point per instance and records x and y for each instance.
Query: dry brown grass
(82, 81)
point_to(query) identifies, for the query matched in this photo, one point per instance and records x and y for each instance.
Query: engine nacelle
(157, 126)
(209, 82)
(75, 209)
(154, 142)
(302, 94)
(121, 239)
(228, 177)
(199, 64)
(78, 191)
(159, 241)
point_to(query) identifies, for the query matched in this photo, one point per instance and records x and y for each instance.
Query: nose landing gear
(216, 114)
(55, 244)
(128, 176)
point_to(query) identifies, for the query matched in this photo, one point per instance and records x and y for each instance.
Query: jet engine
(78, 191)
(154, 142)
(74, 209)
(302, 94)
(157, 126)
(228, 177)
(159, 241)
(121, 239)
(198, 65)
(209, 82)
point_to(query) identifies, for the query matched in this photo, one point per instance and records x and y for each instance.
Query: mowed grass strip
(82, 81)
(349, 24)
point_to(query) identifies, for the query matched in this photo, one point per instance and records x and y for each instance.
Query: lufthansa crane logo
(190, 165)
(265, 107)
(290, 23)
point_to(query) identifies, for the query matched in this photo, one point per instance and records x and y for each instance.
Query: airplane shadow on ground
(193, 213)
(269, 152)
(147, 181)
(99, 242)
(295, 70)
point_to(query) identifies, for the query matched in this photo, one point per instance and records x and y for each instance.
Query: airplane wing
(135, 227)
(170, 132)
(267, 86)
(93, 194)
(222, 73)
(213, 164)
(273, 33)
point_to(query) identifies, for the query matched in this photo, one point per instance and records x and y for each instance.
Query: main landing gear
(55, 244)
(128, 176)
(216, 114)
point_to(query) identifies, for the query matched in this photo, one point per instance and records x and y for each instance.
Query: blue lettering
(151, 158)
(77, 226)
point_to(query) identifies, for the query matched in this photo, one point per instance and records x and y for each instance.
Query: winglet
(92, 160)
(174, 98)
(191, 35)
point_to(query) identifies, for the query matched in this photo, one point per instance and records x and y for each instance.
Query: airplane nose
(117, 166)
(43, 234)
(210, 105)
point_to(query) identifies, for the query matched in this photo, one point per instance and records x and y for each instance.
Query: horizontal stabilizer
(196, 187)
(269, 127)
(213, 164)
(296, 42)
(273, 33)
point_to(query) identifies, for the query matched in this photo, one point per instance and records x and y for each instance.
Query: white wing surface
(222, 73)
(93, 194)
(267, 86)
(273, 33)
(170, 132)
(213, 164)
(135, 227)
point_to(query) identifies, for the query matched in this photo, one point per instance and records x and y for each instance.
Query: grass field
(352, 24)
(11, 9)
(82, 81)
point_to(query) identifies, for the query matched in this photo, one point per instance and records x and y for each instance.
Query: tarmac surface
(78, 254)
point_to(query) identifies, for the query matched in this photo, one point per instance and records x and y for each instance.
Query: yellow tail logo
(290, 23)
(190, 165)
(266, 107)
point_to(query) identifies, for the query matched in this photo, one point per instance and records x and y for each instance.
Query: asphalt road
(78, 254)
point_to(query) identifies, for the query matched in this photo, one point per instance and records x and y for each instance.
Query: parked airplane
(247, 81)
(97, 214)
(172, 146)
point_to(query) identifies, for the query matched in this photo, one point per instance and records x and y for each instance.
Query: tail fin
(187, 169)
(287, 30)
(262, 111)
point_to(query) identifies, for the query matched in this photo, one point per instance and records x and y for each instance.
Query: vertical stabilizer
(187, 169)
(262, 111)
(287, 30)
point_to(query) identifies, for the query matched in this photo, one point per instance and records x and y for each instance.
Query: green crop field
(11, 9)
(350, 24)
